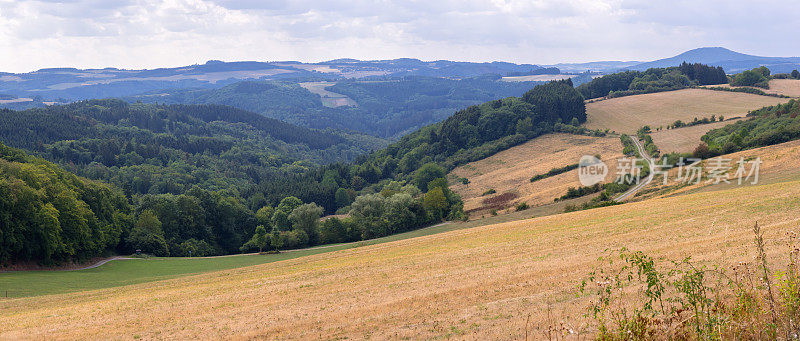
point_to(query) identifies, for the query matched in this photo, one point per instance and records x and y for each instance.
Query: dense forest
(387, 107)
(50, 215)
(206, 180)
(653, 80)
(766, 126)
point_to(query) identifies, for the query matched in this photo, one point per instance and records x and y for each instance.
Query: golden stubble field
(628, 114)
(492, 282)
(778, 164)
(510, 171)
(686, 139)
(788, 87)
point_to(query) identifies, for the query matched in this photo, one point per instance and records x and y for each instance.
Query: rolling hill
(731, 61)
(388, 107)
(70, 84)
(628, 114)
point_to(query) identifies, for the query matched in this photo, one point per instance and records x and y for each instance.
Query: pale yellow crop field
(492, 282)
(628, 114)
(510, 171)
(788, 87)
(686, 139)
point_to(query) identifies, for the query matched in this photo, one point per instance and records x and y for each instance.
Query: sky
(168, 33)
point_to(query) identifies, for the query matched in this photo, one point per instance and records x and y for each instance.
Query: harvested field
(510, 171)
(628, 114)
(787, 87)
(493, 282)
(686, 139)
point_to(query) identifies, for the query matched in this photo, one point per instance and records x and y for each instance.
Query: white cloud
(151, 33)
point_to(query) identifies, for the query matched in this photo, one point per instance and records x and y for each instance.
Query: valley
(398, 199)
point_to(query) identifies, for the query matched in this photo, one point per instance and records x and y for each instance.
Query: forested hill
(145, 148)
(384, 107)
(482, 130)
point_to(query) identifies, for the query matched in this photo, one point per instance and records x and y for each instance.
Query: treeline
(767, 126)
(653, 80)
(398, 207)
(758, 77)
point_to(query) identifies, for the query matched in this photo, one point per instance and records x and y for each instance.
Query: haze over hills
(68, 84)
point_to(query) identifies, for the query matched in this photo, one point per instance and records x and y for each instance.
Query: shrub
(522, 206)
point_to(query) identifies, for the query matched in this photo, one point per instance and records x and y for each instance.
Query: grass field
(627, 114)
(686, 139)
(500, 281)
(510, 171)
(125, 272)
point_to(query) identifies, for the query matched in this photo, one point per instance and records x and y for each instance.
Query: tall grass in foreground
(637, 297)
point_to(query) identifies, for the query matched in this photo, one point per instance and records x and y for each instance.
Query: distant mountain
(69, 84)
(731, 61)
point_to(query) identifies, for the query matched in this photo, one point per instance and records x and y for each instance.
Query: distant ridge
(731, 61)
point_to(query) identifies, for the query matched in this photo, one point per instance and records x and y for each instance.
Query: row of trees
(758, 77)
(653, 80)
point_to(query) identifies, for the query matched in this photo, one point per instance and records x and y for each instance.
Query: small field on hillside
(779, 164)
(686, 139)
(494, 282)
(788, 87)
(628, 114)
(509, 172)
(329, 99)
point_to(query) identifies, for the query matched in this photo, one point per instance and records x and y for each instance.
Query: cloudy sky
(151, 33)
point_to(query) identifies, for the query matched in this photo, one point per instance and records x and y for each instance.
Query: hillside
(499, 281)
(386, 107)
(685, 139)
(628, 114)
(201, 178)
(731, 61)
(116, 141)
(508, 173)
(786, 87)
